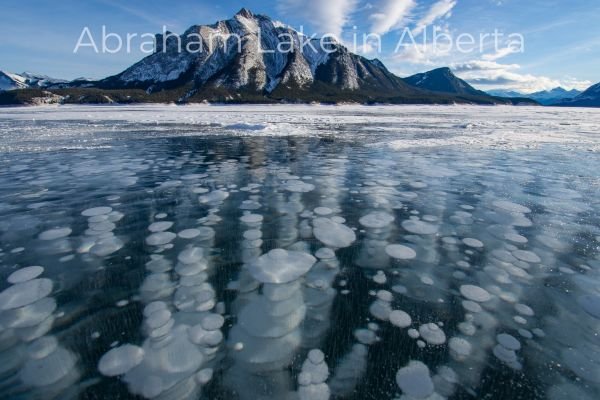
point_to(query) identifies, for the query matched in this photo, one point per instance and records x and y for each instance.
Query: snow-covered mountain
(261, 62)
(26, 80)
(545, 97)
(589, 98)
(442, 80)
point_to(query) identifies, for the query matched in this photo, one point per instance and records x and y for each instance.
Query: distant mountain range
(239, 61)
(546, 97)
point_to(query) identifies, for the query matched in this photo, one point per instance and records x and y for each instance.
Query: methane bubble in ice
(54, 234)
(281, 266)
(475, 293)
(160, 226)
(325, 253)
(120, 360)
(400, 319)
(25, 293)
(160, 238)
(460, 349)
(419, 227)
(508, 341)
(527, 256)
(25, 274)
(376, 220)
(94, 212)
(400, 252)
(473, 243)
(432, 334)
(511, 207)
(415, 380)
(333, 234)
(189, 233)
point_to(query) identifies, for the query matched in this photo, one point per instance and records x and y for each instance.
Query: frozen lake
(299, 252)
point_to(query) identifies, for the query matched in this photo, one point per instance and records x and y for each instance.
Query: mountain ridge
(240, 60)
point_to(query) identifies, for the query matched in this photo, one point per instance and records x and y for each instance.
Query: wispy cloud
(441, 9)
(390, 14)
(492, 75)
(327, 16)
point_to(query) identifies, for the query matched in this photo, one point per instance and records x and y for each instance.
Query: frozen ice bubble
(251, 218)
(120, 360)
(25, 293)
(432, 334)
(419, 227)
(189, 233)
(527, 256)
(400, 252)
(503, 354)
(204, 376)
(524, 309)
(191, 255)
(252, 234)
(415, 380)
(25, 274)
(160, 226)
(325, 253)
(511, 207)
(459, 348)
(93, 212)
(323, 211)
(508, 341)
(160, 238)
(376, 220)
(400, 319)
(473, 243)
(333, 234)
(281, 266)
(213, 322)
(54, 234)
(475, 293)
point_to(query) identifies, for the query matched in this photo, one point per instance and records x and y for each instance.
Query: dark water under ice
(523, 225)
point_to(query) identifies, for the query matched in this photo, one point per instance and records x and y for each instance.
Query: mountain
(545, 97)
(589, 98)
(252, 58)
(505, 93)
(555, 95)
(243, 57)
(10, 81)
(442, 80)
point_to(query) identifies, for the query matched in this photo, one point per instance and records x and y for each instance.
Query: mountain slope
(10, 81)
(243, 55)
(442, 80)
(252, 58)
(589, 98)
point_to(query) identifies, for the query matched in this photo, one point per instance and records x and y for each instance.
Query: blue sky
(562, 37)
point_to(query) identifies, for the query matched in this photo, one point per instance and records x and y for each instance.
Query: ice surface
(246, 252)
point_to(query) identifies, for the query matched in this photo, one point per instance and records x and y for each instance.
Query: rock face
(444, 81)
(255, 55)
